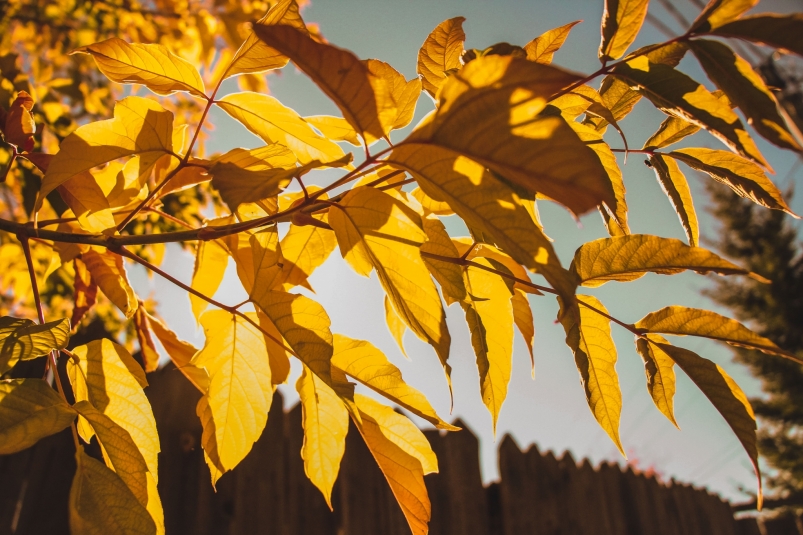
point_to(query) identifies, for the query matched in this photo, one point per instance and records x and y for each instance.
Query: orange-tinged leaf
(719, 12)
(449, 275)
(725, 395)
(108, 271)
(274, 122)
(543, 48)
(621, 22)
(742, 176)
(364, 99)
(489, 314)
(627, 258)
(150, 356)
(88, 202)
(326, 423)
(368, 365)
(140, 126)
(430, 205)
(334, 128)
(404, 94)
(440, 54)
(486, 250)
(255, 56)
(588, 334)
(660, 371)
(778, 31)
(377, 231)
(19, 125)
(235, 408)
(618, 97)
(29, 411)
(746, 89)
(404, 456)
(685, 321)
(211, 261)
(153, 65)
(677, 189)
(180, 352)
(396, 326)
(523, 318)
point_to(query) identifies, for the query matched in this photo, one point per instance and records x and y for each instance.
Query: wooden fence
(268, 493)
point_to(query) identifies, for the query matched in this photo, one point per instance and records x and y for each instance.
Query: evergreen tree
(766, 243)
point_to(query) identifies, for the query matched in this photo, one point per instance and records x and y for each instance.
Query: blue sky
(551, 410)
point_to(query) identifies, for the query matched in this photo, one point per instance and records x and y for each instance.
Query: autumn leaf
(365, 100)
(618, 97)
(211, 261)
(621, 22)
(742, 176)
(404, 94)
(19, 121)
(180, 352)
(588, 334)
(147, 347)
(22, 339)
(108, 271)
(234, 409)
(304, 249)
(153, 65)
(440, 54)
(660, 370)
(334, 128)
(719, 12)
(779, 31)
(684, 321)
(677, 189)
(543, 48)
(30, 410)
(396, 326)
(88, 202)
(376, 231)
(523, 318)
(627, 258)
(449, 275)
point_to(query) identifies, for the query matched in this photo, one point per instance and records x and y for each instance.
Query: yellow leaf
(234, 409)
(746, 89)
(621, 23)
(326, 423)
(30, 410)
(304, 249)
(684, 321)
(430, 205)
(108, 271)
(211, 261)
(588, 334)
(627, 258)
(274, 122)
(122, 456)
(404, 456)
(778, 31)
(375, 230)
(334, 128)
(489, 314)
(725, 395)
(491, 114)
(523, 318)
(719, 12)
(618, 97)
(364, 99)
(660, 370)
(440, 54)
(304, 324)
(181, 353)
(89, 204)
(109, 378)
(101, 503)
(543, 48)
(485, 250)
(677, 189)
(147, 347)
(396, 326)
(449, 275)
(404, 94)
(153, 65)
(139, 126)
(18, 125)
(368, 365)
(742, 176)
(674, 129)
(255, 56)
(677, 95)
(22, 339)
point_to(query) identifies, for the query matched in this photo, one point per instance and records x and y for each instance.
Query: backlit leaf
(725, 395)
(672, 130)
(22, 339)
(88, 202)
(523, 318)
(719, 12)
(334, 128)
(274, 122)
(778, 31)
(211, 261)
(235, 408)
(396, 326)
(677, 189)
(108, 271)
(147, 347)
(430, 205)
(140, 126)
(326, 423)
(404, 94)
(742, 176)
(376, 231)
(304, 249)
(618, 97)
(101, 503)
(150, 64)
(440, 54)
(684, 321)
(627, 258)
(621, 23)
(660, 370)
(368, 365)
(181, 353)
(543, 48)
(449, 275)
(30, 410)
(364, 99)
(746, 89)
(588, 334)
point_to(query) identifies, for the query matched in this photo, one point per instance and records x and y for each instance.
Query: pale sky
(550, 411)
